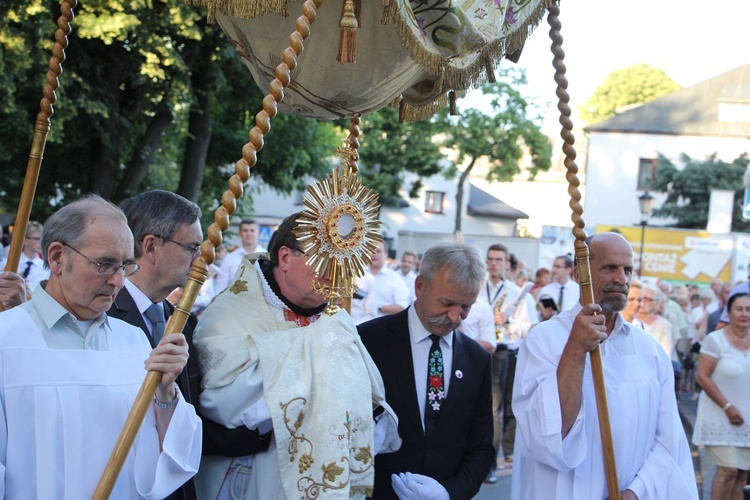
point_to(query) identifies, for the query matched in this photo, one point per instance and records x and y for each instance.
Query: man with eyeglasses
(167, 230)
(271, 360)
(71, 374)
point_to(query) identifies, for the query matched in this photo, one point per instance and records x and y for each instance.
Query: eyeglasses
(34, 238)
(633, 299)
(193, 251)
(109, 268)
(647, 299)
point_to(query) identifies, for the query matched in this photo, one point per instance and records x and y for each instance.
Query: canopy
(407, 53)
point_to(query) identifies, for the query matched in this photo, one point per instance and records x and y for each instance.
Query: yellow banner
(679, 255)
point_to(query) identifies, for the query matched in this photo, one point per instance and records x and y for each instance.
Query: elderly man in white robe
(558, 452)
(273, 361)
(70, 373)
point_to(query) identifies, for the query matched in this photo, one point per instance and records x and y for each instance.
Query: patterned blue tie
(435, 386)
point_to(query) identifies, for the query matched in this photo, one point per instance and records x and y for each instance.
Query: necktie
(559, 300)
(435, 387)
(155, 315)
(26, 271)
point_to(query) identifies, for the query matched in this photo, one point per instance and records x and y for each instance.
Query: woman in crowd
(723, 371)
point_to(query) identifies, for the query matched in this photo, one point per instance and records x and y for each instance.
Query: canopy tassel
(348, 37)
(452, 102)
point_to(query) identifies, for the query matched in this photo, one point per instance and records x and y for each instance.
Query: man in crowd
(559, 448)
(384, 291)
(167, 233)
(249, 235)
(514, 315)
(714, 318)
(672, 312)
(563, 290)
(438, 382)
(72, 375)
(31, 265)
(407, 272)
(272, 361)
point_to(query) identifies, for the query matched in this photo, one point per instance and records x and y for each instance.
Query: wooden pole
(199, 272)
(582, 251)
(41, 130)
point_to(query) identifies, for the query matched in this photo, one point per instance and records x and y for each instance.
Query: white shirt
(37, 272)
(229, 266)
(142, 302)
(662, 331)
(521, 313)
(409, 279)
(70, 390)
(571, 293)
(651, 449)
(420, 352)
(479, 325)
(382, 289)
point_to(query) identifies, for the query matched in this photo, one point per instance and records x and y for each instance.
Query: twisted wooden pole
(199, 272)
(41, 131)
(352, 162)
(582, 250)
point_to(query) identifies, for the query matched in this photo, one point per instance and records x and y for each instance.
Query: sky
(691, 41)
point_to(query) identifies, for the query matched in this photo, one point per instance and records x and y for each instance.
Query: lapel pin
(459, 374)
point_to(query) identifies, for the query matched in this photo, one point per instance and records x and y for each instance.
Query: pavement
(704, 470)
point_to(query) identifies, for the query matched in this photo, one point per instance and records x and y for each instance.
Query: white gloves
(258, 416)
(410, 486)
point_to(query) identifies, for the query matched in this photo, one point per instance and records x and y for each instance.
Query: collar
(142, 302)
(418, 333)
(272, 291)
(52, 312)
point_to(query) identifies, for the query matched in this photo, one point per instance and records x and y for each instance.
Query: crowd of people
(450, 362)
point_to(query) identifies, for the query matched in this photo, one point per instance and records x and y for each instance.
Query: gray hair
(465, 264)
(159, 213)
(68, 225)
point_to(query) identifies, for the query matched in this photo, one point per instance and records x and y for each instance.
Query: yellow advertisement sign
(679, 255)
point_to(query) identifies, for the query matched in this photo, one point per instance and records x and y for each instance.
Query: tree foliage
(151, 97)
(689, 189)
(499, 138)
(633, 85)
(389, 148)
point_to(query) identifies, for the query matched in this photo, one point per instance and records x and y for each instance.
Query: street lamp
(646, 202)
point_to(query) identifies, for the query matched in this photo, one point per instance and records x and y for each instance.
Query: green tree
(151, 97)
(500, 138)
(389, 148)
(633, 85)
(689, 189)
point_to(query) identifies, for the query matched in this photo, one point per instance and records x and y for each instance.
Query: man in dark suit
(438, 381)
(167, 235)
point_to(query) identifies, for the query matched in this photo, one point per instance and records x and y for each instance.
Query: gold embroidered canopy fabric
(412, 51)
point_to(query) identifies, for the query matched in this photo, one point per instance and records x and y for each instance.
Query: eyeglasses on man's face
(109, 268)
(192, 251)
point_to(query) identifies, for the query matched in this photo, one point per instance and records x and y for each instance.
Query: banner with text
(680, 255)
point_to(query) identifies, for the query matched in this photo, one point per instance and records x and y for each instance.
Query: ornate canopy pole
(198, 272)
(41, 131)
(582, 250)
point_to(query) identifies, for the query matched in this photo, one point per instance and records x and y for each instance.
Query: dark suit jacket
(459, 453)
(217, 439)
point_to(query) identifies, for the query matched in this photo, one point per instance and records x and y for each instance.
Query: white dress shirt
(420, 353)
(571, 294)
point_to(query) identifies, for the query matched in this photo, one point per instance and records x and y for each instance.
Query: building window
(647, 173)
(434, 202)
